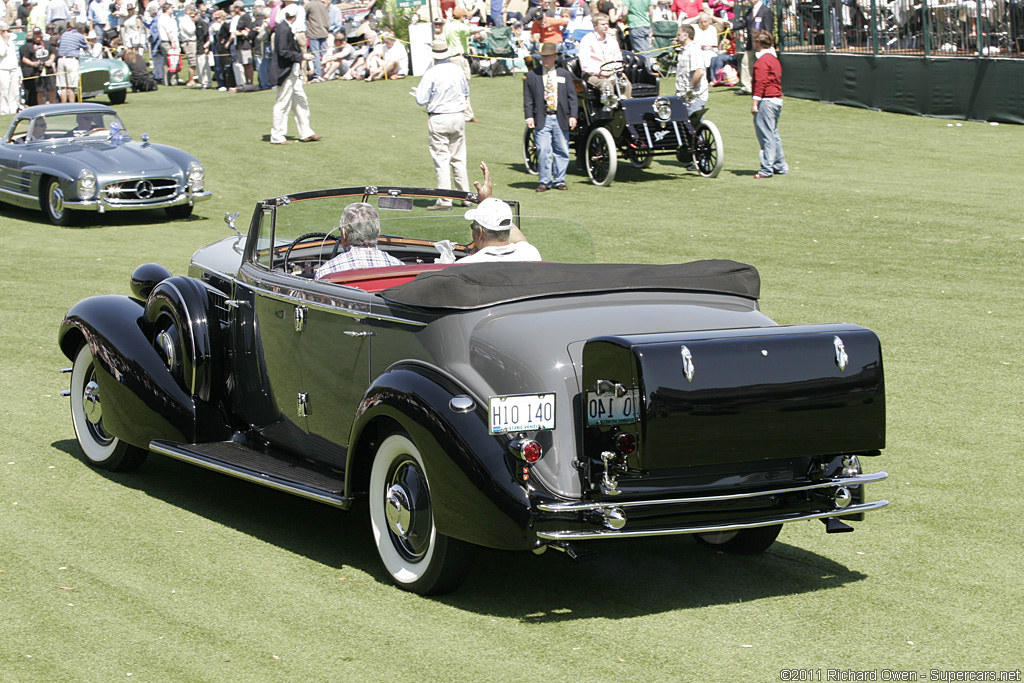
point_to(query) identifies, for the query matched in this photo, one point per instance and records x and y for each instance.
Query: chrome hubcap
(397, 510)
(91, 403)
(56, 200)
(165, 344)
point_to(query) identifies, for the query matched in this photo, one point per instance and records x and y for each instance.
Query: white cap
(492, 214)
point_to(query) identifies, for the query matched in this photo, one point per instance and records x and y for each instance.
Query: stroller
(499, 49)
(663, 54)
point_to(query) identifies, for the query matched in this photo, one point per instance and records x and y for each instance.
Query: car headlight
(86, 185)
(195, 176)
(663, 108)
(119, 74)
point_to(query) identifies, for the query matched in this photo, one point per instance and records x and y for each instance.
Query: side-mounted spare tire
(182, 328)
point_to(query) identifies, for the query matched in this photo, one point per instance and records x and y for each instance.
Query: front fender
(141, 400)
(473, 490)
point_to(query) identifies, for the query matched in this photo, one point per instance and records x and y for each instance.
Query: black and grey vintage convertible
(519, 406)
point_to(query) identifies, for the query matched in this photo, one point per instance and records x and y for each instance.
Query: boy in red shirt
(767, 106)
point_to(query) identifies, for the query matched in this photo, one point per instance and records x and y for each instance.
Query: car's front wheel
(743, 541)
(100, 448)
(530, 151)
(51, 200)
(602, 162)
(418, 558)
(709, 150)
(117, 96)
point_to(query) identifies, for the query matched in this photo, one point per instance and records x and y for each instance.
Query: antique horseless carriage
(518, 406)
(637, 129)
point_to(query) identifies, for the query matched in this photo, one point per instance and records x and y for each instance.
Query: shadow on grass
(94, 219)
(629, 577)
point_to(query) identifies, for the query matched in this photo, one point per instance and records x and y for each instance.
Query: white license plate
(526, 412)
(604, 409)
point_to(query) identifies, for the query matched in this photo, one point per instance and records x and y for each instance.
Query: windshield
(94, 124)
(409, 229)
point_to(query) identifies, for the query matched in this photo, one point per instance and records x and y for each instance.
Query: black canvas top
(475, 285)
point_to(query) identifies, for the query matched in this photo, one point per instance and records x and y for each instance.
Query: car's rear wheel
(641, 158)
(417, 557)
(100, 448)
(709, 151)
(51, 200)
(530, 151)
(742, 542)
(602, 162)
(179, 211)
(118, 96)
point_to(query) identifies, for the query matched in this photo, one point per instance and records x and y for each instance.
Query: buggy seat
(637, 70)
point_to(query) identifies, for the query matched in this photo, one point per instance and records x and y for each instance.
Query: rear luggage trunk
(712, 405)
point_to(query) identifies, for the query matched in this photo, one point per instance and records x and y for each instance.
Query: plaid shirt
(355, 258)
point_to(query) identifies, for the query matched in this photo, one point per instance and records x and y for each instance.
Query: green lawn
(909, 226)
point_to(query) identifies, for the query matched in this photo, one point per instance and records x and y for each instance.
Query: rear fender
(473, 489)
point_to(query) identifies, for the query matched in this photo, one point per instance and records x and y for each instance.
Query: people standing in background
(759, 18)
(444, 91)
(767, 106)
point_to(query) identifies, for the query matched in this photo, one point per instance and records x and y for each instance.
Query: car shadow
(87, 220)
(625, 578)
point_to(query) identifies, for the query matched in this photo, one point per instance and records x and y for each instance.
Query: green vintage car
(105, 76)
(98, 76)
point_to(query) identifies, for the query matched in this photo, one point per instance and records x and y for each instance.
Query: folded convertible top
(477, 285)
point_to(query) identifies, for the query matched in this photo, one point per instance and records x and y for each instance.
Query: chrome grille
(140, 190)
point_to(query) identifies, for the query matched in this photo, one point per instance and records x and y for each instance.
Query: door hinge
(300, 318)
(302, 405)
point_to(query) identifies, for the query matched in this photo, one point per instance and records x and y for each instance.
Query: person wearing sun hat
(443, 90)
(495, 235)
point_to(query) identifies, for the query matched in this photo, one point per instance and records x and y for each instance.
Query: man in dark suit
(286, 72)
(759, 18)
(550, 106)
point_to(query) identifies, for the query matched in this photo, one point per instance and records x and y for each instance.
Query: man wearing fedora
(550, 106)
(444, 91)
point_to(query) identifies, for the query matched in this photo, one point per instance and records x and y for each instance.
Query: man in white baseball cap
(495, 236)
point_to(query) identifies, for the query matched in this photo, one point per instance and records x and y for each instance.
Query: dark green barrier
(956, 88)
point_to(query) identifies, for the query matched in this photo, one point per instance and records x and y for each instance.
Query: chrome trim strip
(261, 479)
(714, 528)
(318, 303)
(582, 507)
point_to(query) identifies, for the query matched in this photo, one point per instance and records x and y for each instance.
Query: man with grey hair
(360, 228)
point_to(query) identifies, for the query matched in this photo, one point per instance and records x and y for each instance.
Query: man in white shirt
(167, 28)
(495, 236)
(598, 48)
(691, 76)
(444, 90)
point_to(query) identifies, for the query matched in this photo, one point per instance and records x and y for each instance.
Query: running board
(238, 460)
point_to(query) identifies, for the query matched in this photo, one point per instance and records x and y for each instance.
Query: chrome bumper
(103, 206)
(616, 509)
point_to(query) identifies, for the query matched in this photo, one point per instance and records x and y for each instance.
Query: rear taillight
(527, 450)
(625, 443)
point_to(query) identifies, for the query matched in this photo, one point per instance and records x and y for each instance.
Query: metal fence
(948, 28)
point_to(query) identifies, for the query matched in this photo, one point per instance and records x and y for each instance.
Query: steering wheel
(308, 237)
(620, 66)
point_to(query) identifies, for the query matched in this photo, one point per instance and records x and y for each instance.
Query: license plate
(605, 409)
(526, 412)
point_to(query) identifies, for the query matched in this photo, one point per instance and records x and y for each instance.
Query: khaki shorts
(67, 72)
(188, 51)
